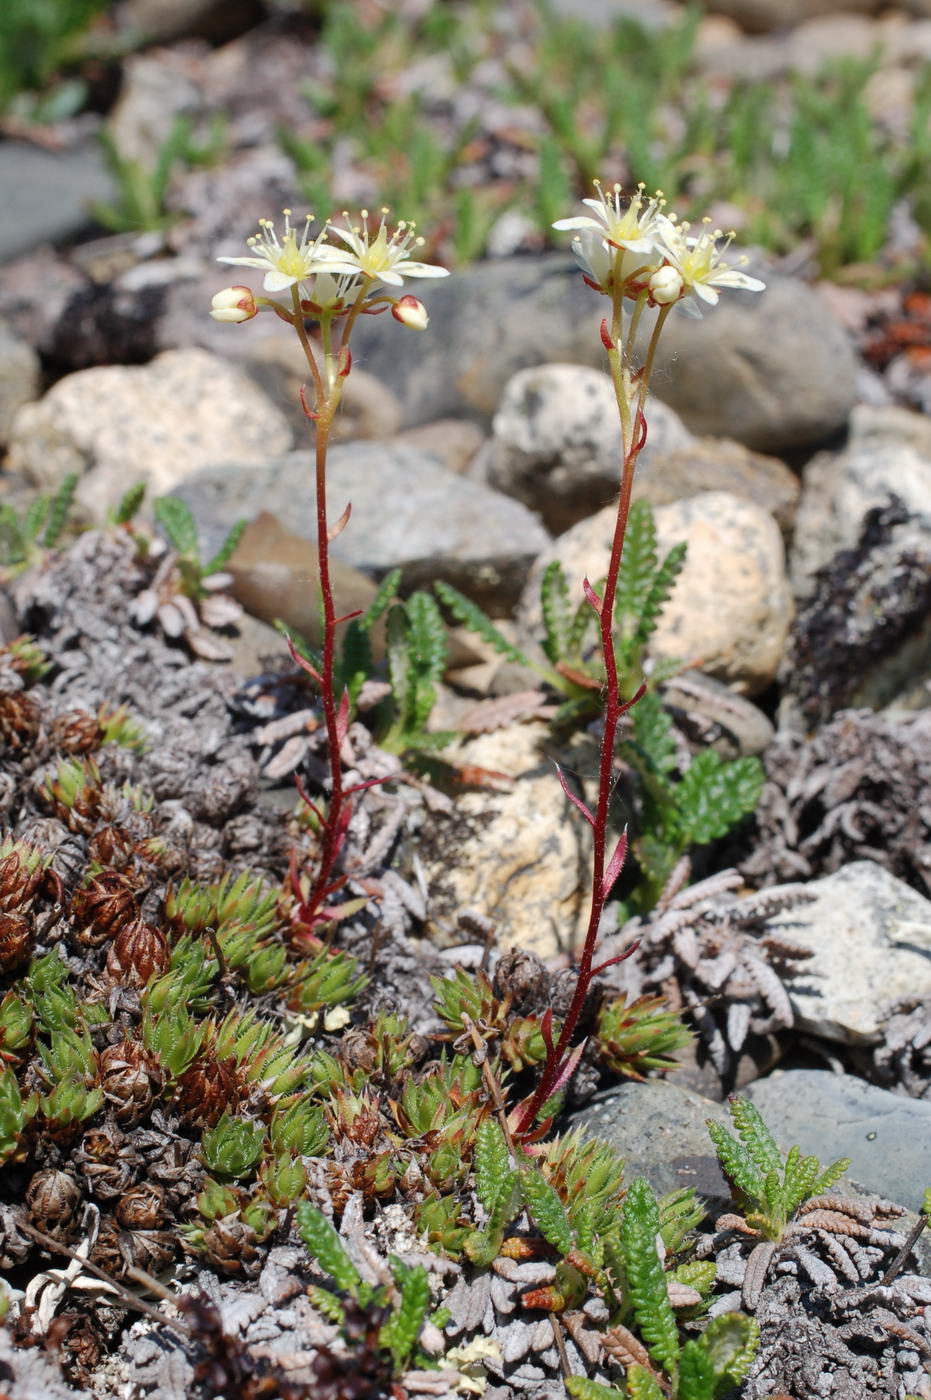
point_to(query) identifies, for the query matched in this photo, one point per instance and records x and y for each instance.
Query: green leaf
(638, 564)
(324, 1244)
(547, 1209)
(557, 616)
(130, 503)
(581, 1388)
(400, 664)
(428, 646)
(225, 553)
(731, 1341)
(738, 1165)
(14, 545)
(36, 516)
(829, 1176)
(470, 615)
(755, 1135)
(401, 1332)
(356, 662)
(653, 733)
(696, 1373)
(387, 592)
(641, 1385)
(659, 591)
(175, 518)
(646, 1278)
(714, 795)
(59, 511)
(494, 1175)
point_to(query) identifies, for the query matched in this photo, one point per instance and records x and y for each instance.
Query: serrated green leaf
(59, 510)
(400, 1333)
(492, 1165)
(641, 1385)
(400, 664)
(387, 592)
(557, 615)
(696, 1373)
(36, 516)
(660, 589)
(581, 1388)
(646, 1278)
(714, 795)
(653, 733)
(737, 1164)
(428, 646)
(175, 518)
(226, 551)
(325, 1245)
(829, 1176)
(470, 615)
(731, 1341)
(356, 662)
(638, 565)
(130, 502)
(547, 1209)
(755, 1135)
(14, 546)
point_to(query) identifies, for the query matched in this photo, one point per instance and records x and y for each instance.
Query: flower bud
(233, 304)
(411, 313)
(665, 286)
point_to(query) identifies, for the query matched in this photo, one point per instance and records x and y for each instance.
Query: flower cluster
(331, 277)
(631, 246)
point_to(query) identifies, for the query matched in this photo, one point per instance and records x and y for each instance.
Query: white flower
(285, 262)
(380, 257)
(633, 227)
(665, 285)
(601, 263)
(697, 259)
(234, 304)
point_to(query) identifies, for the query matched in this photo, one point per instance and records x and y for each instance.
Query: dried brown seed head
(74, 731)
(101, 908)
(17, 939)
(130, 1078)
(139, 951)
(20, 720)
(142, 1207)
(207, 1089)
(52, 1197)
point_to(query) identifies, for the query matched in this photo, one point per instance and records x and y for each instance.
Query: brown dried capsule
(152, 1250)
(142, 1207)
(521, 975)
(231, 1245)
(139, 951)
(17, 938)
(20, 877)
(130, 1078)
(208, 1089)
(74, 731)
(108, 1251)
(100, 909)
(52, 1197)
(105, 1161)
(20, 720)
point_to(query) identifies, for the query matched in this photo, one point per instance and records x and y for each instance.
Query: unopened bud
(234, 304)
(665, 286)
(411, 313)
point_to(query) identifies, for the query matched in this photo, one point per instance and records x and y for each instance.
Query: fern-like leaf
(130, 503)
(653, 733)
(581, 1388)
(494, 1175)
(175, 518)
(642, 1384)
(36, 516)
(356, 663)
(225, 553)
(738, 1165)
(696, 1373)
(59, 510)
(646, 1278)
(428, 645)
(325, 1245)
(470, 615)
(400, 664)
(714, 795)
(659, 591)
(387, 592)
(731, 1341)
(638, 562)
(557, 617)
(400, 1333)
(829, 1176)
(755, 1135)
(547, 1209)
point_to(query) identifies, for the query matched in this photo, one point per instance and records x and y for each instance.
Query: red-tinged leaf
(591, 596)
(339, 527)
(472, 775)
(576, 801)
(642, 425)
(548, 1298)
(629, 704)
(569, 1067)
(546, 1029)
(369, 782)
(618, 958)
(347, 617)
(342, 717)
(580, 678)
(308, 411)
(606, 340)
(302, 661)
(615, 865)
(345, 361)
(307, 799)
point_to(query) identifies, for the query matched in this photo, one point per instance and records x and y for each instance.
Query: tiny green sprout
(28, 658)
(233, 1147)
(70, 1102)
(173, 1038)
(118, 726)
(769, 1188)
(69, 1055)
(327, 979)
(284, 1179)
(16, 1017)
(74, 780)
(217, 1199)
(15, 1113)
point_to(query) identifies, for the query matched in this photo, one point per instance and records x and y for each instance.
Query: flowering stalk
(634, 254)
(332, 284)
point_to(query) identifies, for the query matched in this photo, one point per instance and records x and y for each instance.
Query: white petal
(351, 239)
(731, 277)
(260, 263)
(635, 245)
(580, 221)
(419, 269)
(276, 281)
(390, 278)
(708, 294)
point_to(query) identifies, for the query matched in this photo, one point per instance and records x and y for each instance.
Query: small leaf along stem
(630, 391)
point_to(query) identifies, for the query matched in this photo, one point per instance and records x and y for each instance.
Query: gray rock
(886, 423)
(660, 1129)
(53, 192)
(486, 323)
(453, 441)
(161, 21)
(717, 464)
(157, 423)
(407, 511)
(887, 1137)
(839, 489)
(556, 441)
(731, 605)
(871, 939)
(775, 370)
(153, 95)
(19, 377)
